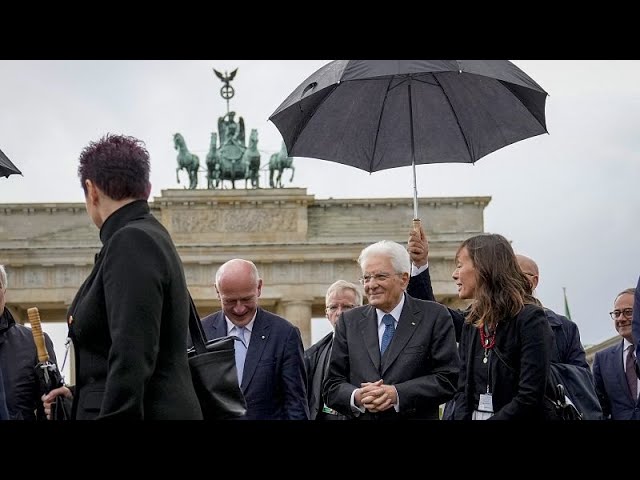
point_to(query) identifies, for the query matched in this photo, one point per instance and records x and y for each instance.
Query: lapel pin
(263, 337)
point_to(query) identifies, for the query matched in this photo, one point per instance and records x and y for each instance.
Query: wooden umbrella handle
(416, 224)
(38, 336)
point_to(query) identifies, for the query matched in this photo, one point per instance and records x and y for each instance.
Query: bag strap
(195, 329)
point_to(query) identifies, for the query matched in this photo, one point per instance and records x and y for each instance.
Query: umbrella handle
(38, 336)
(416, 224)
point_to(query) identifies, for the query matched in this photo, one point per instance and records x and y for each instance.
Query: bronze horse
(251, 158)
(186, 160)
(277, 163)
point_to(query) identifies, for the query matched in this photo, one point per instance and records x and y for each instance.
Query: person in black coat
(506, 342)
(18, 358)
(129, 320)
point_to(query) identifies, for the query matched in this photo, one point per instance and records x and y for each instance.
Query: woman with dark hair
(506, 341)
(129, 320)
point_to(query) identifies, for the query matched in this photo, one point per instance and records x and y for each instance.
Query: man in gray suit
(613, 368)
(395, 358)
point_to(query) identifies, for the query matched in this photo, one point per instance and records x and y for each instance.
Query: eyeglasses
(333, 308)
(378, 277)
(627, 312)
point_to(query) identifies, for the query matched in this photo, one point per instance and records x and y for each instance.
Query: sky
(569, 199)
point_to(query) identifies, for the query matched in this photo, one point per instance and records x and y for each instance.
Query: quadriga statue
(231, 160)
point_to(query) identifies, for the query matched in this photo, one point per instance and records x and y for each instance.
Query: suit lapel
(368, 325)
(216, 328)
(409, 320)
(259, 337)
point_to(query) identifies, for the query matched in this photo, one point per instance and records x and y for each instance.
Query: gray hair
(630, 291)
(398, 255)
(3, 278)
(341, 285)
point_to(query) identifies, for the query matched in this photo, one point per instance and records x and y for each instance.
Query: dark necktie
(389, 329)
(241, 352)
(630, 371)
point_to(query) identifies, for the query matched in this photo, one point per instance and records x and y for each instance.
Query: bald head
(235, 269)
(530, 269)
(239, 286)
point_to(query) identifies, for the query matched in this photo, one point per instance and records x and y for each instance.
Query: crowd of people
(402, 355)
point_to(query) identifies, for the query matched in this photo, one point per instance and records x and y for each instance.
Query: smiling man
(395, 358)
(613, 368)
(271, 369)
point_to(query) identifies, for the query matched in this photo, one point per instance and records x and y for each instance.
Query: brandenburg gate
(300, 244)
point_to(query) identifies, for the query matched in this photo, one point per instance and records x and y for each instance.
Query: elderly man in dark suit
(613, 368)
(272, 375)
(342, 296)
(395, 358)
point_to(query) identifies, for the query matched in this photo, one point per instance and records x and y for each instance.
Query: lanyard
(488, 341)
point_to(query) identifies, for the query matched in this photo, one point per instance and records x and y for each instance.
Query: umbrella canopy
(380, 114)
(6, 166)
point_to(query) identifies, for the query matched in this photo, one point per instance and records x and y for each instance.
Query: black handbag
(570, 393)
(214, 374)
(573, 393)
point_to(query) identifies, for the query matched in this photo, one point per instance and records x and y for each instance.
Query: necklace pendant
(484, 360)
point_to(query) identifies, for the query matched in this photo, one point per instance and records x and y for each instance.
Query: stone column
(298, 312)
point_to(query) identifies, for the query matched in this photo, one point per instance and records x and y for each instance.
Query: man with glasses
(341, 296)
(613, 368)
(395, 358)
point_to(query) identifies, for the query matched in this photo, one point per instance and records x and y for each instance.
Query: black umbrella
(6, 166)
(380, 114)
(47, 373)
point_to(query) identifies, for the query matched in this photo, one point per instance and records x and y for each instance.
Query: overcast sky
(570, 199)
